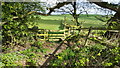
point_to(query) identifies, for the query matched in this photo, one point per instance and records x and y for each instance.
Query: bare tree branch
(58, 6)
(107, 5)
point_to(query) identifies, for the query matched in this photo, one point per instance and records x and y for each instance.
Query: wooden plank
(84, 28)
(56, 30)
(51, 30)
(53, 39)
(42, 34)
(50, 34)
(56, 34)
(56, 37)
(41, 39)
(98, 29)
(50, 39)
(74, 26)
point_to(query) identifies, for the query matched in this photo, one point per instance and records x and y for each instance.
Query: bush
(94, 55)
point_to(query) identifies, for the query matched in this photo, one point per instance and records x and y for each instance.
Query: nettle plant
(15, 17)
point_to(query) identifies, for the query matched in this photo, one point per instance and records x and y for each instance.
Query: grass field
(53, 22)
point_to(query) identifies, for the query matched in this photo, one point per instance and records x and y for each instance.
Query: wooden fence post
(65, 19)
(87, 36)
(45, 32)
(47, 36)
(64, 33)
(79, 29)
(69, 31)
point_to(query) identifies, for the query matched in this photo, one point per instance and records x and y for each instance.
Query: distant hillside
(53, 21)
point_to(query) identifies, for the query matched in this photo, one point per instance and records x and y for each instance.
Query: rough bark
(75, 16)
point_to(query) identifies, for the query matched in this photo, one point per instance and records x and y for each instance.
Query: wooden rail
(53, 35)
(62, 34)
(117, 30)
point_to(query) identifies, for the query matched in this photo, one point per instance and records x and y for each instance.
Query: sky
(54, 1)
(90, 10)
(112, 1)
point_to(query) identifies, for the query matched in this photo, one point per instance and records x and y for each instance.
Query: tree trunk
(75, 16)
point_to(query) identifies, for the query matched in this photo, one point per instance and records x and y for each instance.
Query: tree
(114, 22)
(110, 6)
(15, 16)
(73, 8)
(113, 7)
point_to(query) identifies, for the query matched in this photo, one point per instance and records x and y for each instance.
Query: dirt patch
(52, 47)
(49, 46)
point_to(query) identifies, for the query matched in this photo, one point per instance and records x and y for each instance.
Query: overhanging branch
(113, 7)
(58, 6)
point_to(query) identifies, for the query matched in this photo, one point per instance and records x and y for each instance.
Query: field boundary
(56, 35)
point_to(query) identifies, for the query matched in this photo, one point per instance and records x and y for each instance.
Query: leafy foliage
(94, 55)
(10, 58)
(15, 16)
(114, 25)
(28, 57)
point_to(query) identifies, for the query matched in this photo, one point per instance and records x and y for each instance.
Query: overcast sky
(54, 1)
(90, 10)
(112, 1)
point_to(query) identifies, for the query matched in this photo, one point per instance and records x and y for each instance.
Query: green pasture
(53, 21)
